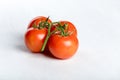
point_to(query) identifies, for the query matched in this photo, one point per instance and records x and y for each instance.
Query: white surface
(98, 24)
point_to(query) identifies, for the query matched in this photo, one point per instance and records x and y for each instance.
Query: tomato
(37, 20)
(62, 47)
(34, 39)
(69, 27)
(59, 38)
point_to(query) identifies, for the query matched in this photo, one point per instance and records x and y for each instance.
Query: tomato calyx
(42, 24)
(61, 29)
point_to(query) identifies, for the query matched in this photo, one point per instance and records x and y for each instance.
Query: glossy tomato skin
(34, 39)
(37, 20)
(63, 47)
(70, 27)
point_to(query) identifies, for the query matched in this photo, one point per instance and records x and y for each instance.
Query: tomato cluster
(60, 38)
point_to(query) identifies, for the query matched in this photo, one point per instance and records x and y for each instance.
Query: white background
(98, 56)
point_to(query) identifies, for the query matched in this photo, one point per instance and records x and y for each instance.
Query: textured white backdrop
(98, 24)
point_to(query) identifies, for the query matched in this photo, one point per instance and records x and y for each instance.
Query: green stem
(46, 39)
(46, 21)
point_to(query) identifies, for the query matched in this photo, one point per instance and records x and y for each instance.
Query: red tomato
(70, 27)
(62, 47)
(34, 38)
(37, 20)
